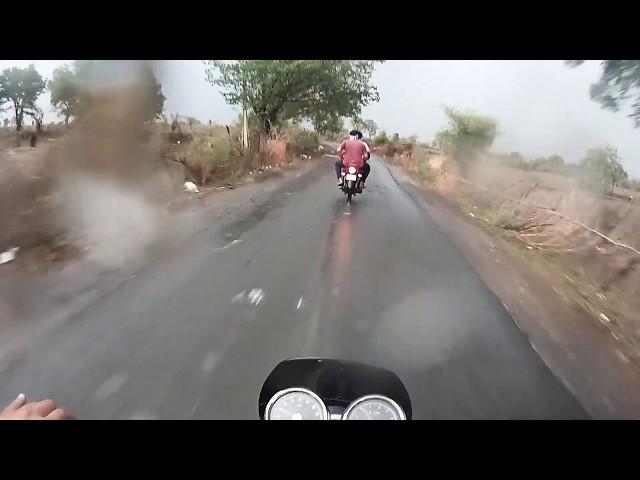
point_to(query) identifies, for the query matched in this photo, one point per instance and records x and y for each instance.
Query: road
(194, 335)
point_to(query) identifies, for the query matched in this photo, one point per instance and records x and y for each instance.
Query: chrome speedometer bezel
(366, 398)
(281, 393)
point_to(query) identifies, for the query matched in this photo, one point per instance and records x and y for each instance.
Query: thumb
(20, 400)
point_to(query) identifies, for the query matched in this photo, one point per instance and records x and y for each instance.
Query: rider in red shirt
(353, 153)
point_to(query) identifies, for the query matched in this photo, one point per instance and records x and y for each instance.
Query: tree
(193, 121)
(381, 139)
(368, 126)
(65, 92)
(37, 114)
(601, 168)
(555, 163)
(252, 120)
(330, 125)
(151, 94)
(514, 159)
(279, 90)
(21, 87)
(72, 88)
(467, 135)
(618, 84)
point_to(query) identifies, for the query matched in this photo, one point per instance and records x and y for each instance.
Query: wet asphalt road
(377, 282)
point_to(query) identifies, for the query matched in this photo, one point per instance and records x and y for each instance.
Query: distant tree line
(70, 88)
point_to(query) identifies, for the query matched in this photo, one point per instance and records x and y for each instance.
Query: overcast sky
(542, 107)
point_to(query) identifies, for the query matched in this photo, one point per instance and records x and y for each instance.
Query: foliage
(508, 221)
(554, 163)
(302, 140)
(381, 139)
(619, 84)
(21, 87)
(400, 145)
(331, 125)
(72, 87)
(425, 171)
(207, 157)
(193, 121)
(64, 92)
(368, 126)
(279, 90)
(151, 95)
(601, 169)
(37, 114)
(467, 135)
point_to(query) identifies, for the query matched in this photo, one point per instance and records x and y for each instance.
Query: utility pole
(245, 130)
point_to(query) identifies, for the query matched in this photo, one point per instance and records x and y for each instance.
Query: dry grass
(547, 215)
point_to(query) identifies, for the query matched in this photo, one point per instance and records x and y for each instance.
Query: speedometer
(374, 407)
(296, 404)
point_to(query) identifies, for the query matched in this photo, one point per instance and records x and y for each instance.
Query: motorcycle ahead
(351, 182)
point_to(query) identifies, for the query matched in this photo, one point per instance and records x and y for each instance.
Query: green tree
(619, 84)
(330, 125)
(72, 88)
(555, 163)
(193, 121)
(381, 139)
(467, 135)
(37, 114)
(601, 168)
(368, 126)
(151, 94)
(64, 92)
(21, 87)
(252, 120)
(279, 90)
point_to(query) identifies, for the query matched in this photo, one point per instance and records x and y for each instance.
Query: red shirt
(352, 153)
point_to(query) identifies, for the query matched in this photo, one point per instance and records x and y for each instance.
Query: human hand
(19, 409)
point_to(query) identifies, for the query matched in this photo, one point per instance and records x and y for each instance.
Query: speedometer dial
(374, 407)
(296, 404)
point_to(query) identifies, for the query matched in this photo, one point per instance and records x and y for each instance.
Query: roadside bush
(302, 141)
(425, 171)
(509, 222)
(381, 139)
(400, 146)
(467, 135)
(207, 158)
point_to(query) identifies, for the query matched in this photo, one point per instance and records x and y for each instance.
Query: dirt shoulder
(599, 367)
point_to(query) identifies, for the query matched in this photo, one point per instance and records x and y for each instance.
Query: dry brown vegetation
(587, 244)
(112, 177)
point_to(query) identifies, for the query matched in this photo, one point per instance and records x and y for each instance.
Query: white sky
(542, 107)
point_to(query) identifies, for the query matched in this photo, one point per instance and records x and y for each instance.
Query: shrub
(400, 146)
(302, 141)
(381, 139)
(208, 157)
(425, 171)
(467, 135)
(509, 222)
